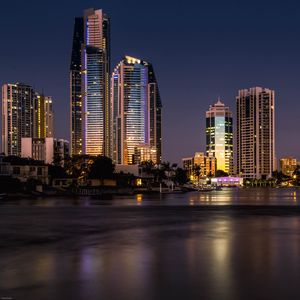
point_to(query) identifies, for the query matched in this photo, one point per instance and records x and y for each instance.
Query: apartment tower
(255, 133)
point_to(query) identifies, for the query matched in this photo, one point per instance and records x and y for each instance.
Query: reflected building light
(139, 198)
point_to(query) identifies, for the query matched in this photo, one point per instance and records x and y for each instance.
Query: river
(229, 244)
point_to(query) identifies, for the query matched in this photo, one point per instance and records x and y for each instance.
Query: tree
(159, 173)
(57, 160)
(78, 166)
(102, 168)
(296, 176)
(56, 171)
(280, 177)
(221, 173)
(147, 167)
(180, 176)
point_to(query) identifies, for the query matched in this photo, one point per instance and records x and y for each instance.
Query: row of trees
(85, 167)
(165, 171)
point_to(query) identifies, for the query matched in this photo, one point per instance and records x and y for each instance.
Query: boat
(205, 189)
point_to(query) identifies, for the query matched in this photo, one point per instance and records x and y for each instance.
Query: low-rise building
(188, 165)
(24, 169)
(199, 165)
(288, 165)
(47, 149)
(5, 167)
(227, 181)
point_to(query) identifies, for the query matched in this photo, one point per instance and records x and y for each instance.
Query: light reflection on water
(221, 258)
(227, 196)
(108, 252)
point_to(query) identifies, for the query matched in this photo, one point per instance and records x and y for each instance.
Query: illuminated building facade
(255, 133)
(144, 153)
(136, 110)
(204, 165)
(43, 116)
(25, 114)
(288, 165)
(219, 136)
(89, 81)
(18, 116)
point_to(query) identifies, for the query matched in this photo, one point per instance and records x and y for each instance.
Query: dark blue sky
(199, 49)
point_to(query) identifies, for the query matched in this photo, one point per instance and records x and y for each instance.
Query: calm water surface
(230, 244)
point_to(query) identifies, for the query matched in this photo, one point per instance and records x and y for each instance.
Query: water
(230, 244)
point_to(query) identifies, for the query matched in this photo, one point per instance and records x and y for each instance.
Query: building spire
(219, 102)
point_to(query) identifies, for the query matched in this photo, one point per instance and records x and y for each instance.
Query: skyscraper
(89, 82)
(136, 110)
(43, 116)
(219, 136)
(18, 116)
(75, 89)
(255, 133)
(25, 113)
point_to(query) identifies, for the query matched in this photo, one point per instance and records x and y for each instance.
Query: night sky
(200, 50)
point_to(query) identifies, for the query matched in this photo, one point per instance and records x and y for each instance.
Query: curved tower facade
(136, 111)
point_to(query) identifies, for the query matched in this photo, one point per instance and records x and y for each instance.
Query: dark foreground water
(230, 244)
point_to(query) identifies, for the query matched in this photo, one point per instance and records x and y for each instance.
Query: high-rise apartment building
(25, 114)
(89, 84)
(255, 133)
(219, 136)
(18, 116)
(43, 116)
(136, 110)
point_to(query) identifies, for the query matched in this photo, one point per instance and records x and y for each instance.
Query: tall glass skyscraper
(90, 96)
(136, 110)
(255, 133)
(75, 89)
(219, 136)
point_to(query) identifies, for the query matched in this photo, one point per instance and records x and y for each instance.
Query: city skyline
(197, 93)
